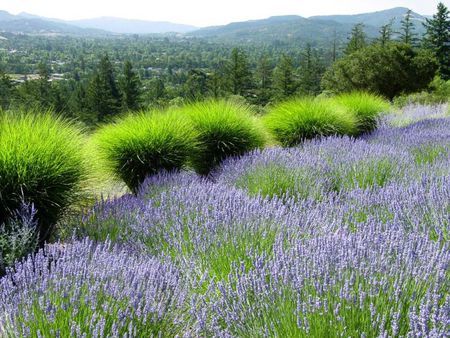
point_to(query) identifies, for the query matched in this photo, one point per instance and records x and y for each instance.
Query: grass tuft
(366, 108)
(300, 119)
(225, 129)
(138, 146)
(41, 163)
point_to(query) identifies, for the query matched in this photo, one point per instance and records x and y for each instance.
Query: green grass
(274, 180)
(225, 129)
(366, 107)
(300, 119)
(143, 144)
(41, 162)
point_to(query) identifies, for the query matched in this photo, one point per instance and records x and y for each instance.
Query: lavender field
(337, 237)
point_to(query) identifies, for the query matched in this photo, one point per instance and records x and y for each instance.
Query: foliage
(103, 93)
(366, 107)
(300, 119)
(284, 78)
(130, 87)
(437, 38)
(140, 145)
(357, 39)
(41, 162)
(225, 128)
(437, 92)
(238, 72)
(388, 71)
(407, 34)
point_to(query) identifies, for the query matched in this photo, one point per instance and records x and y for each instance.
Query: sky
(202, 13)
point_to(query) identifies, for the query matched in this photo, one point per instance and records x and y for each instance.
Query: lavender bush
(336, 237)
(18, 237)
(88, 290)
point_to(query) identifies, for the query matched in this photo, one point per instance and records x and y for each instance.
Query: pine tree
(357, 39)
(239, 74)
(386, 32)
(196, 86)
(437, 38)
(284, 78)
(44, 93)
(130, 86)
(103, 94)
(311, 71)
(264, 74)
(407, 34)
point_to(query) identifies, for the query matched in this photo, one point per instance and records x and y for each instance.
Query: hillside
(29, 24)
(314, 29)
(277, 29)
(375, 19)
(127, 26)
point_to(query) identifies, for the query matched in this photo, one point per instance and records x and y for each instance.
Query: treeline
(395, 63)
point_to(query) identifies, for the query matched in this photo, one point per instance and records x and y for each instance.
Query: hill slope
(314, 29)
(126, 26)
(29, 24)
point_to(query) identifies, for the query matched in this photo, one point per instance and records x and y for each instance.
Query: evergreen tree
(407, 34)
(130, 86)
(239, 74)
(196, 86)
(103, 94)
(44, 92)
(386, 32)
(391, 70)
(438, 38)
(357, 39)
(214, 84)
(264, 73)
(284, 78)
(311, 71)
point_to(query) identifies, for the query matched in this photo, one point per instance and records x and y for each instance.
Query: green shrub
(437, 92)
(300, 119)
(225, 129)
(366, 108)
(41, 162)
(141, 145)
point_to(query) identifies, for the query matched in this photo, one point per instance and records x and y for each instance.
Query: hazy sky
(206, 12)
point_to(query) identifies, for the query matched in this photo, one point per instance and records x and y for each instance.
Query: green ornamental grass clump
(41, 163)
(366, 107)
(138, 146)
(225, 129)
(299, 119)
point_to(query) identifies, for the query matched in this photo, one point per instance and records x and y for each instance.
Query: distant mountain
(376, 19)
(32, 24)
(279, 29)
(29, 24)
(317, 29)
(126, 26)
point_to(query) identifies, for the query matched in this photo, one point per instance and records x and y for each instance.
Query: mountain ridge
(284, 27)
